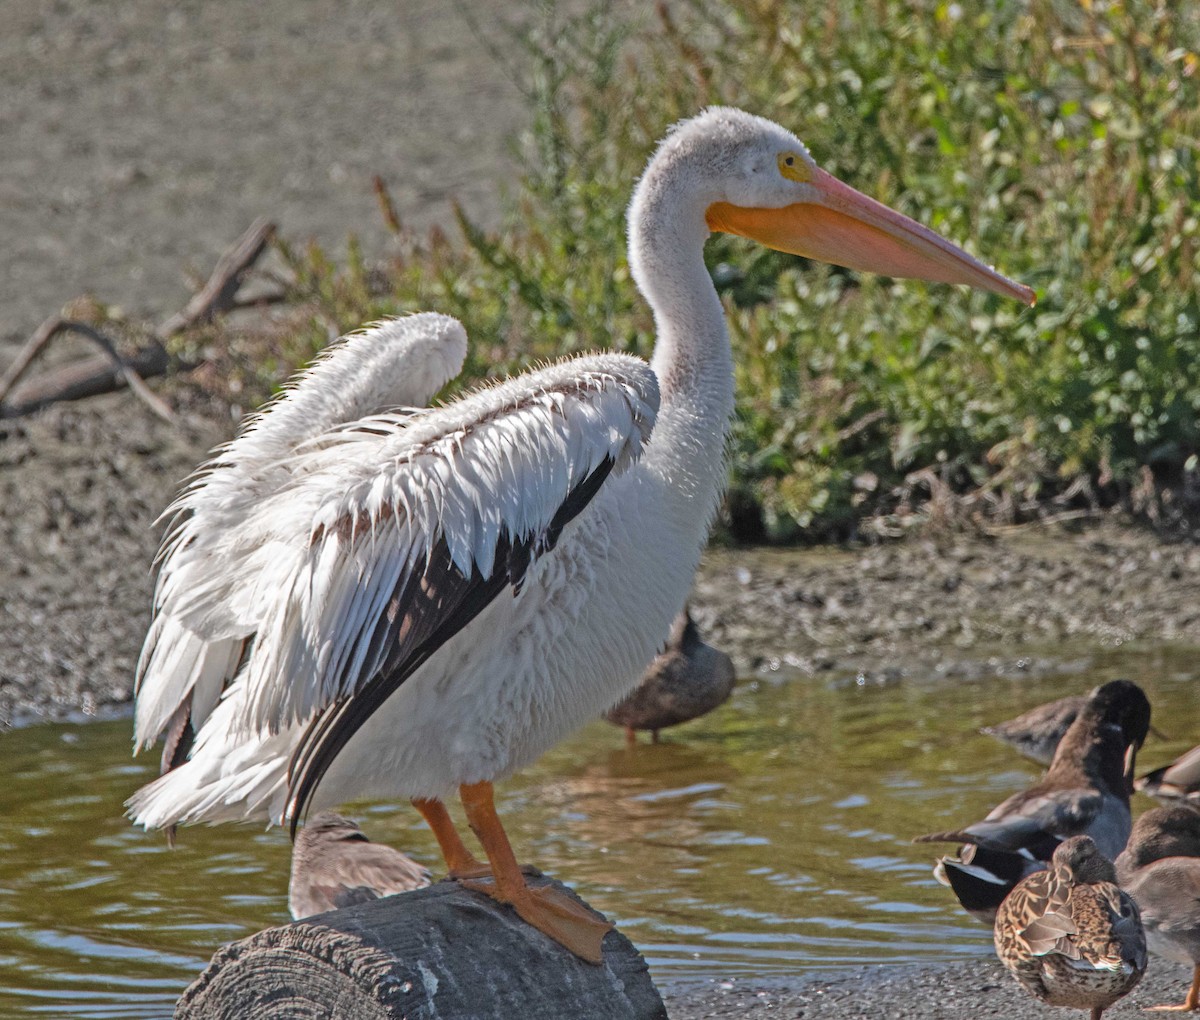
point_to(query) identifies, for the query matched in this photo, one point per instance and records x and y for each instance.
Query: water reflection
(768, 837)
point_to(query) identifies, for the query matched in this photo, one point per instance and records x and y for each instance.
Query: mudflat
(140, 138)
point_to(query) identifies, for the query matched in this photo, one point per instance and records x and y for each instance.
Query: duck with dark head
(1085, 792)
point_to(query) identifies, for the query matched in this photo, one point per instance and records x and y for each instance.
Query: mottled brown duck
(1069, 935)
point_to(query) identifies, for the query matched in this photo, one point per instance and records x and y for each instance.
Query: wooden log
(441, 952)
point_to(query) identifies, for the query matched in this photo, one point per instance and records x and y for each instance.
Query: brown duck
(1069, 935)
(687, 679)
(1177, 783)
(334, 865)
(1160, 869)
(1036, 733)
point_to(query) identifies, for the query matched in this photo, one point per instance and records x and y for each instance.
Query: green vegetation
(1059, 140)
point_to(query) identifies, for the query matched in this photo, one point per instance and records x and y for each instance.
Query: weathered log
(441, 952)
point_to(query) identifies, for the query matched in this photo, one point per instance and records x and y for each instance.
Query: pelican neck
(692, 358)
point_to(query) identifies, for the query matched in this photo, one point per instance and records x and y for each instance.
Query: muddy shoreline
(141, 142)
(903, 992)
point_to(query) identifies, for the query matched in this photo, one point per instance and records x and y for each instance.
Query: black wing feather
(426, 610)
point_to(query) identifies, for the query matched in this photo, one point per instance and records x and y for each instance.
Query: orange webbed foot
(556, 914)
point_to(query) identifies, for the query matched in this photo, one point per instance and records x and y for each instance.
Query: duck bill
(846, 228)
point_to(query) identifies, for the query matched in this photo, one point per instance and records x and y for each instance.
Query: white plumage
(358, 511)
(399, 604)
(205, 606)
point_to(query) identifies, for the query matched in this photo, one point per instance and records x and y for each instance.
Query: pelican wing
(198, 637)
(394, 536)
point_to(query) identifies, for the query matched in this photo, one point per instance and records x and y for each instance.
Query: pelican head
(748, 176)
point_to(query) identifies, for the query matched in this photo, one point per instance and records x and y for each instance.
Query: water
(769, 838)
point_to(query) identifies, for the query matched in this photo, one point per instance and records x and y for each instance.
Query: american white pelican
(1085, 792)
(686, 679)
(399, 604)
(334, 865)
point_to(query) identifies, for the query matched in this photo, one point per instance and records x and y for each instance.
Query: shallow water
(769, 838)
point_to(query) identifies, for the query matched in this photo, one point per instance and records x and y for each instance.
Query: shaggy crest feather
(200, 624)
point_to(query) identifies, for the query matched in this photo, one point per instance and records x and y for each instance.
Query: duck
(361, 597)
(1069, 934)
(1177, 783)
(335, 865)
(1160, 869)
(1085, 791)
(1037, 733)
(686, 680)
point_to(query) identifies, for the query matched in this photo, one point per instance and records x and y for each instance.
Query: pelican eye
(793, 167)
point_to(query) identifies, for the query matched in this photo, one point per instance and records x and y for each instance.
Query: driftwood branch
(93, 376)
(441, 952)
(31, 350)
(82, 379)
(217, 296)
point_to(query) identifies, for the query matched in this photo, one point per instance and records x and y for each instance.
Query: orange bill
(846, 228)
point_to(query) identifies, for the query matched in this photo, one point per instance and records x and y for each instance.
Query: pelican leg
(569, 923)
(1192, 1002)
(460, 862)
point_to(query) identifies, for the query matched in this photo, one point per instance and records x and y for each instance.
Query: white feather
(429, 476)
(202, 614)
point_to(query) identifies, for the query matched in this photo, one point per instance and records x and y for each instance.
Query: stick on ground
(102, 375)
(98, 375)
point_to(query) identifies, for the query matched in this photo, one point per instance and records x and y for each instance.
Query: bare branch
(25, 356)
(102, 375)
(120, 369)
(217, 296)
